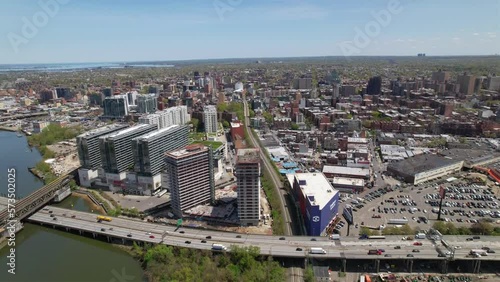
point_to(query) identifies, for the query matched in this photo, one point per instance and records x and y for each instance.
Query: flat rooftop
(357, 171)
(102, 130)
(348, 181)
(470, 155)
(248, 156)
(128, 130)
(421, 163)
(155, 133)
(315, 187)
(186, 151)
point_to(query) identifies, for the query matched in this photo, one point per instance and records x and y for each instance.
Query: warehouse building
(332, 171)
(317, 200)
(349, 185)
(423, 168)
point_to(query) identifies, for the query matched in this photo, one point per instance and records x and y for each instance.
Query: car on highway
(51, 215)
(151, 236)
(182, 232)
(148, 233)
(282, 238)
(129, 235)
(208, 237)
(409, 255)
(102, 229)
(476, 237)
(203, 241)
(381, 250)
(51, 211)
(415, 251)
(188, 242)
(73, 216)
(469, 239)
(298, 249)
(238, 236)
(55, 218)
(417, 244)
(313, 239)
(490, 251)
(397, 247)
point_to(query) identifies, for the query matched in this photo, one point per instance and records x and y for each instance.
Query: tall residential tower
(248, 186)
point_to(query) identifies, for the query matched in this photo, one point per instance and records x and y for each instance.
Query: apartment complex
(171, 116)
(210, 119)
(148, 149)
(147, 103)
(188, 176)
(89, 153)
(248, 186)
(116, 106)
(116, 148)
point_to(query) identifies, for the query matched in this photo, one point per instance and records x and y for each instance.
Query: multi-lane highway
(279, 246)
(268, 166)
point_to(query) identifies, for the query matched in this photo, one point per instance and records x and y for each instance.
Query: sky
(57, 31)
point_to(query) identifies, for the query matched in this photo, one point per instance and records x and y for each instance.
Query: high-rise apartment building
(466, 84)
(248, 186)
(188, 175)
(89, 153)
(63, 92)
(171, 116)
(441, 76)
(149, 149)
(116, 148)
(210, 119)
(115, 106)
(147, 103)
(47, 95)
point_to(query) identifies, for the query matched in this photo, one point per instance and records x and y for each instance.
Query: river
(44, 254)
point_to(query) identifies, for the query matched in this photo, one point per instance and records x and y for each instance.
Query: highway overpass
(348, 248)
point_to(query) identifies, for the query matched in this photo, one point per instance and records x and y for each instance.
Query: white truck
(420, 236)
(318, 251)
(218, 247)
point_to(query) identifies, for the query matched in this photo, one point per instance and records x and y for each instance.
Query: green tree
(225, 124)
(482, 228)
(309, 274)
(268, 117)
(294, 126)
(196, 123)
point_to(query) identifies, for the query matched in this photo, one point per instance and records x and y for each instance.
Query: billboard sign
(348, 215)
(442, 192)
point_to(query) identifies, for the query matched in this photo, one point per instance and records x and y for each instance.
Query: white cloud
(475, 34)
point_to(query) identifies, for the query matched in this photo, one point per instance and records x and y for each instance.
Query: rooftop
(346, 170)
(348, 181)
(248, 156)
(155, 133)
(315, 188)
(102, 130)
(421, 163)
(128, 130)
(186, 151)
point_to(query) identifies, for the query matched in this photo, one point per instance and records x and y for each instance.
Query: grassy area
(52, 134)
(274, 202)
(213, 144)
(197, 136)
(167, 263)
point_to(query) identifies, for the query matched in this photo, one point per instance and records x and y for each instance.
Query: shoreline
(89, 202)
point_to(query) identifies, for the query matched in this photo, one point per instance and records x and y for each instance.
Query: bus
(105, 218)
(376, 237)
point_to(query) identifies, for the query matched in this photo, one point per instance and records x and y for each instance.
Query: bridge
(289, 247)
(12, 117)
(36, 200)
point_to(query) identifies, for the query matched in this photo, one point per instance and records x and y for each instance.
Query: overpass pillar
(109, 239)
(80, 232)
(123, 241)
(93, 235)
(377, 265)
(344, 265)
(411, 266)
(444, 267)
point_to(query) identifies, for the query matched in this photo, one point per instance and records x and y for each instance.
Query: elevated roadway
(276, 246)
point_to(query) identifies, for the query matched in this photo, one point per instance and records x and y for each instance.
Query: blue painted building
(317, 199)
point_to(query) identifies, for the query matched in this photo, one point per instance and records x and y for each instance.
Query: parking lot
(466, 202)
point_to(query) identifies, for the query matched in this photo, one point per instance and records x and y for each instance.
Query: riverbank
(36, 173)
(96, 208)
(7, 128)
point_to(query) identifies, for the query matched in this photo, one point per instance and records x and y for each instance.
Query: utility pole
(442, 194)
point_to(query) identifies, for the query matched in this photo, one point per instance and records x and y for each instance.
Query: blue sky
(127, 30)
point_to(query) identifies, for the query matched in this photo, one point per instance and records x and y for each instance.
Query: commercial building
(115, 106)
(89, 153)
(147, 103)
(116, 153)
(149, 150)
(349, 185)
(466, 84)
(38, 126)
(188, 175)
(248, 186)
(332, 171)
(317, 200)
(210, 119)
(423, 168)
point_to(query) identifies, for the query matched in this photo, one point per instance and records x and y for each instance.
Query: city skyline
(76, 32)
